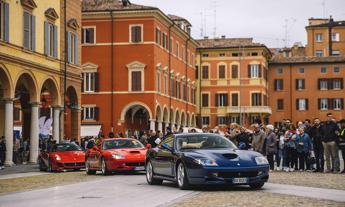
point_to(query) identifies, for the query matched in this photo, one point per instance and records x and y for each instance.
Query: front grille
(74, 164)
(136, 164)
(237, 174)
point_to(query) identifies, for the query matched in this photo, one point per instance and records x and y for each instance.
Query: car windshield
(66, 147)
(122, 144)
(203, 141)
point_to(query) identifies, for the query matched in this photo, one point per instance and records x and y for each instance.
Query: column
(56, 123)
(8, 131)
(172, 124)
(160, 126)
(167, 125)
(153, 125)
(34, 132)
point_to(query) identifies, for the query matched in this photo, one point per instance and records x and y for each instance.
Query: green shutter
(46, 38)
(6, 15)
(55, 41)
(33, 33)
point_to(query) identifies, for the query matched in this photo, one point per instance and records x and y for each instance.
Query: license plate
(139, 168)
(240, 181)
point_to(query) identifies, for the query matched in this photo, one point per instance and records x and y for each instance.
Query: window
(234, 99)
(172, 86)
(278, 84)
(72, 41)
(323, 70)
(136, 81)
(193, 96)
(158, 37)
(234, 71)
(301, 70)
(280, 71)
(29, 31)
(254, 119)
(177, 50)
(254, 71)
(337, 83)
(335, 37)
(89, 82)
(182, 53)
(319, 53)
(280, 104)
(187, 57)
(222, 120)
(205, 120)
(221, 54)
(318, 37)
(338, 104)
(300, 84)
(256, 99)
(50, 39)
(205, 55)
(205, 72)
(302, 104)
(222, 99)
(254, 54)
(336, 70)
(136, 34)
(89, 113)
(4, 21)
(88, 36)
(235, 119)
(335, 53)
(221, 72)
(323, 84)
(171, 45)
(204, 100)
(324, 104)
(158, 82)
(235, 54)
(165, 84)
(178, 89)
(165, 41)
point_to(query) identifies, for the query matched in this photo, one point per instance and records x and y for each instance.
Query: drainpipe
(112, 73)
(200, 79)
(330, 26)
(291, 100)
(169, 71)
(186, 73)
(63, 112)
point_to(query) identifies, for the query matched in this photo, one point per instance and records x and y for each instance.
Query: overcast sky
(264, 20)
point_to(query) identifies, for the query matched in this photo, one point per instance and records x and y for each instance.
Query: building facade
(138, 68)
(232, 82)
(30, 72)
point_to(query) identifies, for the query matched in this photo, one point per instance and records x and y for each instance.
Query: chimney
(206, 37)
(330, 44)
(223, 37)
(126, 3)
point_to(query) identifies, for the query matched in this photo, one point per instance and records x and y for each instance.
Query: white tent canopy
(90, 130)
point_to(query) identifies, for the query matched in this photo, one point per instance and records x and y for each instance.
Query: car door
(164, 158)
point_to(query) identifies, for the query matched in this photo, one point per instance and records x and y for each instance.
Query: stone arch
(188, 119)
(183, 119)
(159, 113)
(50, 84)
(165, 115)
(177, 117)
(133, 104)
(6, 84)
(26, 81)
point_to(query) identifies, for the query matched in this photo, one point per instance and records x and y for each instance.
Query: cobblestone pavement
(318, 180)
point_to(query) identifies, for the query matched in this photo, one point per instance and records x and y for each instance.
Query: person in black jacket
(243, 139)
(342, 141)
(316, 135)
(330, 139)
(2, 152)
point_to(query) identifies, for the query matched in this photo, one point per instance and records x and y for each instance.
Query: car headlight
(57, 157)
(261, 161)
(205, 162)
(117, 156)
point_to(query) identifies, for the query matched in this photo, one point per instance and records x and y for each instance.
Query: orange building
(232, 81)
(138, 68)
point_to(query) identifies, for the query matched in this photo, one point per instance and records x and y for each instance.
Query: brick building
(138, 68)
(232, 81)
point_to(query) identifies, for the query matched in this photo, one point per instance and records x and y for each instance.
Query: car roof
(108, 139)
(203, 134)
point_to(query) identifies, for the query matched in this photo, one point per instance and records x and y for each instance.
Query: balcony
(249, 109)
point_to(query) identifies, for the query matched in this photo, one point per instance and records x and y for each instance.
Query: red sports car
(121, 154)
(61, 157)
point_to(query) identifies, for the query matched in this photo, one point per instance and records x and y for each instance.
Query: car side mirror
(167, 147)
(95, 148)
(148, 146)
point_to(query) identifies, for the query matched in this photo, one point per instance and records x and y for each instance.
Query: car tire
(87, 169)
(149, 175)
(182, 177)
(256, 186)
(104, 169)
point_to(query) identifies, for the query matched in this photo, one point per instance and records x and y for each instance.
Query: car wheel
(256, 186)
(104, 167)
(149, 175)
(182, 179)
(87, 169)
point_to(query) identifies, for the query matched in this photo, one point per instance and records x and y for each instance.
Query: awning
(90, 130)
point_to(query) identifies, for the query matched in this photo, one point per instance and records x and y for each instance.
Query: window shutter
(55, 41)
(319, 84)
(33, 33)
(46, 38)
(217, 102)
(260, 71)
(69, 52)
(133, 34)
(82, 82)
(306, 104)
(6, 15)
(82, 114)
(26, 35)
(297, 104)
(76, 49)
(330, 103)
(342, 103)
(296, 82)
(138, 33)
(282, 84)
(226, 100)
(275, 84)
(303, 84)
(249, 71)
(341, 83)
(96, 111)
(96, 82)
(330, 84)
(319, 103)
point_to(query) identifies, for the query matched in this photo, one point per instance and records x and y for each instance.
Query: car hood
(128, 153)
(226, 157)
(71, 156)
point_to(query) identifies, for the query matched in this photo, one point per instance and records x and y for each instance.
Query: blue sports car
(197, 159)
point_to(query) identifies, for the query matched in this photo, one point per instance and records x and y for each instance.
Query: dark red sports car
(122, 154)
(62, 157)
